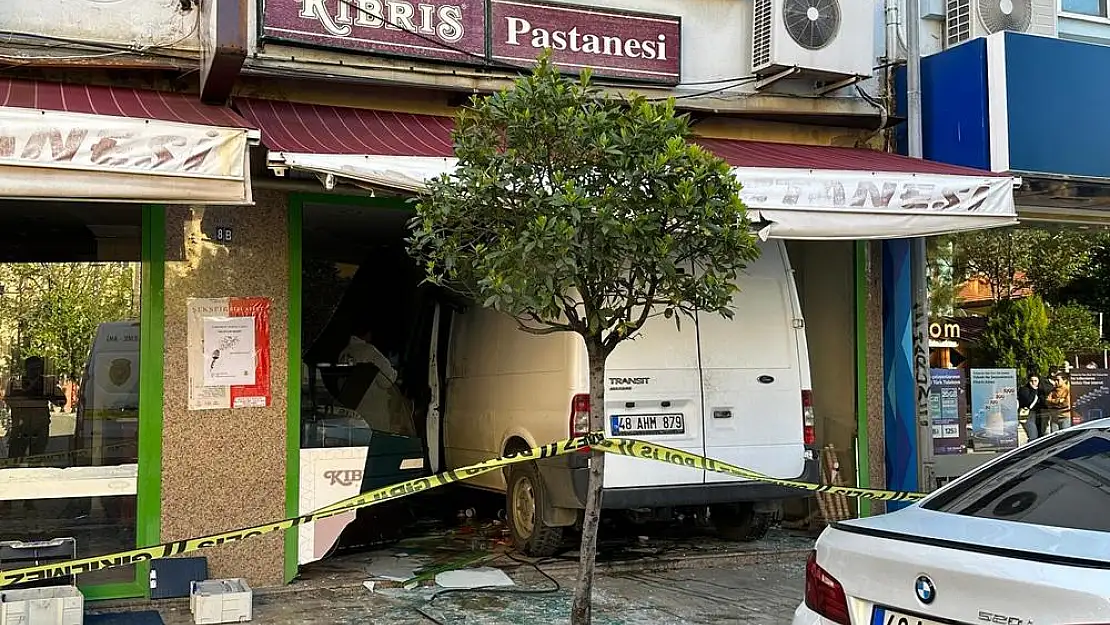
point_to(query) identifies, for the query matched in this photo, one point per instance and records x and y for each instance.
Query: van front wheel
(525, 499)
(739, 521)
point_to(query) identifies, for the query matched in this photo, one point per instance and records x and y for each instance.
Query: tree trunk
(580, 613)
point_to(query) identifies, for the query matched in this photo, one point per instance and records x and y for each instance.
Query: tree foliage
(53, 309)
(576, 212)
(1018, 336)
(1073, 329)
(572, 211)
(1091, 286)
(1012, 259)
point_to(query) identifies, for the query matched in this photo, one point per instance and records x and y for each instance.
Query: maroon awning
(319, 129)
(743, 153)
(117, 102)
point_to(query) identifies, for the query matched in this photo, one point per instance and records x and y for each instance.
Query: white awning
(58, 155)
(816, 204)
(821, 204)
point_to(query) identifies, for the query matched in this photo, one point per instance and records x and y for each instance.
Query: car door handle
(765, 379)
(722, 414)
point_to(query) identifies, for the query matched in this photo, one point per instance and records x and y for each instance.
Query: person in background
(1058, 403)
(1030, 402)
(29, 398)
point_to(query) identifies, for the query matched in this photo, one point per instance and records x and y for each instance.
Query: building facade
(226, 149)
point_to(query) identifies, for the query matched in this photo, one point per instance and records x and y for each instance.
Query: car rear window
(1062, 482)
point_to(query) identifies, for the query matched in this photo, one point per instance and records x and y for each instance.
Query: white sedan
(1023, 540)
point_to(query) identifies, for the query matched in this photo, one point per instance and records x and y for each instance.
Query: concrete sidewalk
(764, 590)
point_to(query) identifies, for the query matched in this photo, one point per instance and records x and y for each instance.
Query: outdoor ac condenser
(968, 19)
(833, 39)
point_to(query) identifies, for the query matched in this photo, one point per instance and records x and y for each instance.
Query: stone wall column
(225, 469)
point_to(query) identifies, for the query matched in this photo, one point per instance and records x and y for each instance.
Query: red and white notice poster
(229, 352)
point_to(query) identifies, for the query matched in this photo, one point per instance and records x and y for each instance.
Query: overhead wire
(130, 49)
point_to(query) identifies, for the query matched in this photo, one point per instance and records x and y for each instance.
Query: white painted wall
(716, 45)
(139, 23)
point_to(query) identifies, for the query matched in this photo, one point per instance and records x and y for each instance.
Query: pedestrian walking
(1030, 401)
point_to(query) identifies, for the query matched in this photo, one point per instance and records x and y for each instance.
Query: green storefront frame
(296, 209)
(151, 340)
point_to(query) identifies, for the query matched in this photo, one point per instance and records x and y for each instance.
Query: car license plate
(883, 616)
(641, 425)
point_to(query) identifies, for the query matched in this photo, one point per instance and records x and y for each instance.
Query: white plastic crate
(220, 601)
(52, 605)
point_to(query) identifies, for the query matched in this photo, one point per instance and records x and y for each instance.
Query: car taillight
(809, 431)
(580, 415)
(825, 595)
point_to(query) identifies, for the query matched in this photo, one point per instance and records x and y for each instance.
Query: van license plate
(883, 616)
(648, 424)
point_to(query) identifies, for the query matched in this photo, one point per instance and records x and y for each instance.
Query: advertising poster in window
(229, 353)
(947, 406)
(1090, 394)
(994, 409)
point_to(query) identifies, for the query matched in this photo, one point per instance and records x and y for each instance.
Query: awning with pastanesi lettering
(97, 143)
(791, 191)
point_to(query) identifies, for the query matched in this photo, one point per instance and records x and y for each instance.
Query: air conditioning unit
(968, 19)
(830, 38)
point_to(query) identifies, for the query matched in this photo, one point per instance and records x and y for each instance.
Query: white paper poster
(229, 351)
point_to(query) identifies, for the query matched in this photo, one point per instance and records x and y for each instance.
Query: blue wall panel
(953, 106)
(1058, 95)
(899, 385)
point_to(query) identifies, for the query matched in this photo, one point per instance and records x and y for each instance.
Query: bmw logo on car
(925, 589)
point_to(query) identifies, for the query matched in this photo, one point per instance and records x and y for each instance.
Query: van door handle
(722, 414)
(765, 379)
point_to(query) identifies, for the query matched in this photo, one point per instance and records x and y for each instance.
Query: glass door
(71, 339)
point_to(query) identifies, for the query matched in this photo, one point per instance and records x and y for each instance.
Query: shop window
(363, 329)
(1062, 484)
(1096, 8)
(69, 376)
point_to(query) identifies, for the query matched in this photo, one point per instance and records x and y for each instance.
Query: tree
(1012, 259)
(1073, 329)
(1091, 286)
(575, 212)
(1017, 336)
(56, 308)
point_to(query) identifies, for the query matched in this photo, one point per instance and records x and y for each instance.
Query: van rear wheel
(739, 521)
(525, 499)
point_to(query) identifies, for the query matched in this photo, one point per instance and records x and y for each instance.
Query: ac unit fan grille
(1000, 15)
(812, 24)
(761, 33)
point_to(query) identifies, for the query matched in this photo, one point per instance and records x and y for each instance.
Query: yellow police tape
(619, 446)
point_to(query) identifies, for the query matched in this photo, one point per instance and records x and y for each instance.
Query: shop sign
(613, 43)
(1089, 394)
(994, 409)
(870, 190)
(96, 142)
(452, 30)
(947, 406)
(53, 154)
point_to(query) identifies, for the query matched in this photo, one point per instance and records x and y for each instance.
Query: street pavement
(759, 590)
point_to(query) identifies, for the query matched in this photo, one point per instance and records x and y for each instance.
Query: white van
(735, 390)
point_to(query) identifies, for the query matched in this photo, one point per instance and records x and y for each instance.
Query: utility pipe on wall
(915, 149)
